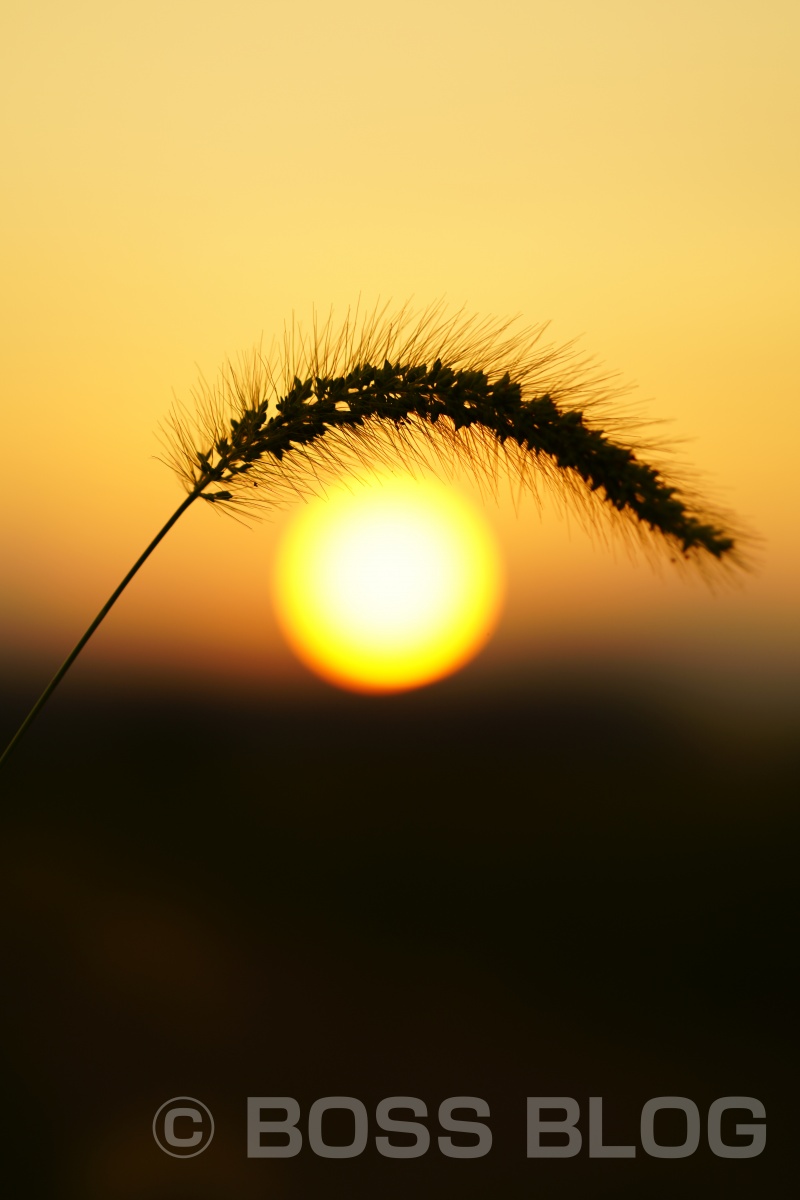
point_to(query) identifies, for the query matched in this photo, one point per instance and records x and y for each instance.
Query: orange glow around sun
(388, 585)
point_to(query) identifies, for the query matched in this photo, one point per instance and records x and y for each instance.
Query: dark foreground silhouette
(578, 893)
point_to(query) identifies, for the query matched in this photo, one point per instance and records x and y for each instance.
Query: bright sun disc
(388, 585)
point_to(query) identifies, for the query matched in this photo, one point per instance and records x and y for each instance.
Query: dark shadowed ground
(575, 892)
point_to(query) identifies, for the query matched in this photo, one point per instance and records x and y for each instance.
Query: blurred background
(567, 870)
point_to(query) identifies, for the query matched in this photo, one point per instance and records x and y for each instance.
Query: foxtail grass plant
(428, 388)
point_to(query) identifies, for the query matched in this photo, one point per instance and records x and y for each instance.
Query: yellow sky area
(178, 177)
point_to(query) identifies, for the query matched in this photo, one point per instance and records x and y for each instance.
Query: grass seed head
(439, 390)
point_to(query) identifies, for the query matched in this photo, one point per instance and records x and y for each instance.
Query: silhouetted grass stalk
(412, 389)
(104, 611)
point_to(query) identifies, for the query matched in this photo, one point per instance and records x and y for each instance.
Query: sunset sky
(181, 177)
(567, 869)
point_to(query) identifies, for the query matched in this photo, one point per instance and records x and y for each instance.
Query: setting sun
(388, 585)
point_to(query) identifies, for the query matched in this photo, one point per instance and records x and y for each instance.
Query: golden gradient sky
(180, 176)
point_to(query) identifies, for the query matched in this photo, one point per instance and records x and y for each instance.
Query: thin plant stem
(65, 666)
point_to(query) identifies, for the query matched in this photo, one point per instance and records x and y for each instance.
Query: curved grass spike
(414, 388)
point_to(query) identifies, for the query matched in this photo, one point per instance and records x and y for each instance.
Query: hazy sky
(180, 176)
